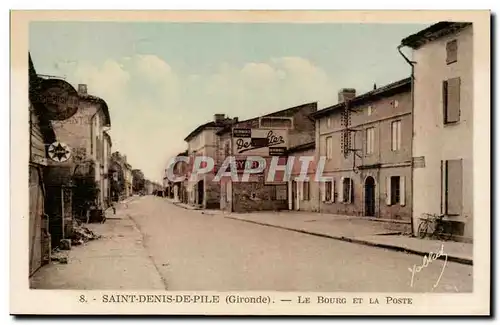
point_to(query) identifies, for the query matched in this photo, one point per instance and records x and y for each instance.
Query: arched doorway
(200, 192)
(369, 197)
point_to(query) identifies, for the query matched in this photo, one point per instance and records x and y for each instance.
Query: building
(120, 187)
(42, 136)
(293, 126)
(177, 188)
(366, 142)
(443, 122)
(202, 141)
(128, 177)
(106, 193)
(83, 134)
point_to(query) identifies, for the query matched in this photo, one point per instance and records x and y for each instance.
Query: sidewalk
(357, 230)
(118, 260)
(182, 205)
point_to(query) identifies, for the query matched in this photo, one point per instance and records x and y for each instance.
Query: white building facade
(442, 130)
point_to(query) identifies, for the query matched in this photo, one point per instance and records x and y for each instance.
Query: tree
(138, 181)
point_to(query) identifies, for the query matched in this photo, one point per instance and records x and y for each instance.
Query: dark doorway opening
(201, 191)
(369, 197)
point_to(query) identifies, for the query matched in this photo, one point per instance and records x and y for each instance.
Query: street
(154, 244)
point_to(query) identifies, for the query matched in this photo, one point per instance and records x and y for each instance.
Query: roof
(433, 32)
(211, 124)
(302, 147)
(276, 113)
(101, 102)
(385, 91)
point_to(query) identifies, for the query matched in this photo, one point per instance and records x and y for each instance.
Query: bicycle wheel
(422, 229)
(445, 233)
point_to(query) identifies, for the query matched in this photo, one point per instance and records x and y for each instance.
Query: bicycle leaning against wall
(433, 226)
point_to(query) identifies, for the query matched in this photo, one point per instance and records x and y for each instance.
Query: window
(451, 100)
(451, 52)
(347, 192)
(329, 148)
(328, 191)
(395, 190)
(370, 140)
(452, 174)
(328, 122)
(306, 188)
(396, 135)
(369, 110)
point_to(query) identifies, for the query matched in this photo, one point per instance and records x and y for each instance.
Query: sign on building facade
(259, 142)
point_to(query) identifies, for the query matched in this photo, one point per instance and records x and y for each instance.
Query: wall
(433, 140)
(383, 162)
(304, 205)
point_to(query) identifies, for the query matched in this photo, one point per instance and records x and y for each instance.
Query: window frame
(329, 147)
(449, 51)
(369, 141)
(396, 138)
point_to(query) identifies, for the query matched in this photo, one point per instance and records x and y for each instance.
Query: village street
(154, 244)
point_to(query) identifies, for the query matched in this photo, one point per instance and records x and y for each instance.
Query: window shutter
(388, 190)
(445, 101)
(454, 187)
(351, 190)
(399, 124)
(453, 111)
(323, 192)
(402, 191)
(333, 190)
(301, 190)
(341, 192)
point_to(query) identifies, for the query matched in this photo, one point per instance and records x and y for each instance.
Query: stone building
(260, 192)
(442, 60)
(202, 190)
(107, 148)
(366, 141)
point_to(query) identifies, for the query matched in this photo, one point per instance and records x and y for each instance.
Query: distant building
(443, 123)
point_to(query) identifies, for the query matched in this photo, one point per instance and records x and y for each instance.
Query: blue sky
(161, 80)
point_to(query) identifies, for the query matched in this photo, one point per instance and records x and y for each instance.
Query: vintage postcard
(250, 162)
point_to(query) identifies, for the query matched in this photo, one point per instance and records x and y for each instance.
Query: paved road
(195, 251)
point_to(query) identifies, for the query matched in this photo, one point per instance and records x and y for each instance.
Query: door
(200, 192)
(298, 195)
(294, 194)
(38, 242)
(369, 197)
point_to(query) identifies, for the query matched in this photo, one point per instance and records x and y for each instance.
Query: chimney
(235, 120)
(218, 118)
(82, 89)
(346, 93)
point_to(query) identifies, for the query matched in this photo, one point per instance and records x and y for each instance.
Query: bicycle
(433, 226)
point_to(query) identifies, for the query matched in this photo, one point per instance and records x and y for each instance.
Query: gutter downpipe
(412, 78)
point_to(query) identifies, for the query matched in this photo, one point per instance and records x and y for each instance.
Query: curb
(455, 259)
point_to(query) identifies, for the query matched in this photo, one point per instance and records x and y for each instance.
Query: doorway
(201, 191)
(293, 195)
(369, 197)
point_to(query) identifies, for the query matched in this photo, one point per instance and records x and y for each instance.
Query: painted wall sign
(260, 142)
(59, 98)
(59, 152)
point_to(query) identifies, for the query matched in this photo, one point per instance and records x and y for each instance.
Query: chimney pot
(82, 88)
(346, 94)
(219, 118)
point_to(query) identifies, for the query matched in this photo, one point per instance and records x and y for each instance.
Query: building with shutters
(366, 144)
(443, 117)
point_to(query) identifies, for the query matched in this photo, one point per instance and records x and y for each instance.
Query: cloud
(153, 106)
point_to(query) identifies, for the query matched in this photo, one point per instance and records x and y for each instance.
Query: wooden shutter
(453, 104)
(398, 124)
(323, 192)
(341, 192)
(402, 191)
(454, 187)
(300, 189)
(388, 190)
